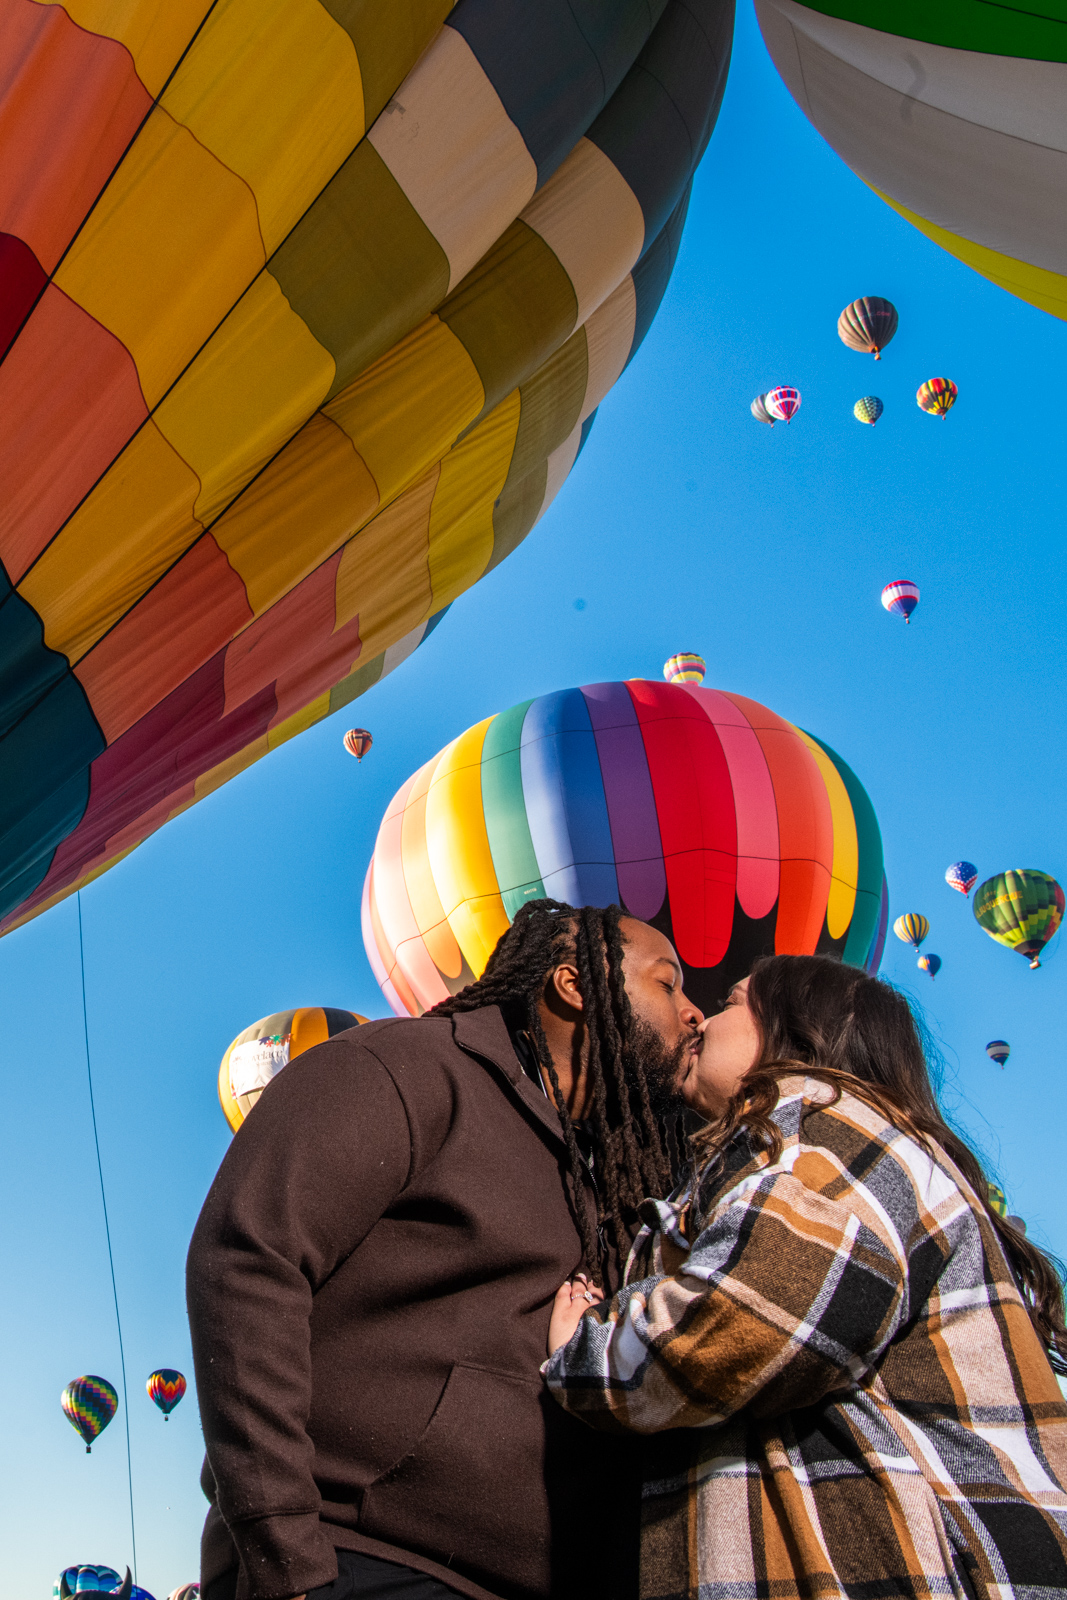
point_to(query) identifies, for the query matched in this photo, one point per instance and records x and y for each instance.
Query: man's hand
(573, 1300)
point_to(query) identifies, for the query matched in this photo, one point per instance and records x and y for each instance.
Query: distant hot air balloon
(1017, 1223)
(998, 1050)
(937, 396)
(912, 927)
(185, 1591)
(86, 1578)
(357, 741)
(686, 667)
(901, 597)
(94, 1583)
(261, 1051)
(783, 402)
(759, 410)
(90, 1403)
(166, 1388)
(1021, 908)
(868, 325)
(930, 963)
(868, 409)
(998, 1199)
(962, 875)
(735, 832)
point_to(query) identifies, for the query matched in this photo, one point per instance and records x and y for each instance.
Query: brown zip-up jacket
(369, 1286)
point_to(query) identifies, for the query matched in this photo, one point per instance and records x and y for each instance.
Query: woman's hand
(572, 1301)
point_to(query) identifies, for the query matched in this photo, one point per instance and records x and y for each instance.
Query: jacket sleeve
(321, 1156)
(785, 1296)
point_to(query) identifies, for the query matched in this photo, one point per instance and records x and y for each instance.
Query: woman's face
(729, 1048)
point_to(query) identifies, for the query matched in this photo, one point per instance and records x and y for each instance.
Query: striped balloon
(733, 831)
(759, 410)
(166, 1387)
(912, 927)
(782, 402)
(262, 1050)
(998, 1050)
(868, 324)
(936, 396)
(86, 1577)
(901, 597)
(357, 741)
(686, 667)
(89, 1403)
(929, 963)
(868, 409)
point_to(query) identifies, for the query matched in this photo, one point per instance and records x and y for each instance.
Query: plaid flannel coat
(859, 1403)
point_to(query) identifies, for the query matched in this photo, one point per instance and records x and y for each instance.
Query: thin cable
(107, 1231)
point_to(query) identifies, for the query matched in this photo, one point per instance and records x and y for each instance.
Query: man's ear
(563, 988)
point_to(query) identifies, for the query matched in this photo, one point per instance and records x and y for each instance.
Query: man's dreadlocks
(628, 1153)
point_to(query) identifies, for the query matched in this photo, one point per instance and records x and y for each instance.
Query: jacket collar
(484, 1033)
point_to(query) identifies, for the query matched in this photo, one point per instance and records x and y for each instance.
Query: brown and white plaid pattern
(848, 1395)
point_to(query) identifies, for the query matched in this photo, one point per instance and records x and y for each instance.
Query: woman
(851, 1342)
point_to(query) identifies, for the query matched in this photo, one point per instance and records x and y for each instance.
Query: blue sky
(685, 525)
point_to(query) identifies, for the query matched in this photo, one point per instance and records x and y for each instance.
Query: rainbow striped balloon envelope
(703, 813)
(685, 667)
(166, 1387)
(89, 1404)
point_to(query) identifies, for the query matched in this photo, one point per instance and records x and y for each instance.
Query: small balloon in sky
(998, 1199)
(89, 1403)
(901, 597)
(912, 927)
(357, 741)
(998, 1050)
(185, 1591)
(868, 409)
(962, 875)
(759, 410)
(1021, 909)
(685, 667)
(85, 1578)
(782, 402)
(930, 963)
(166, 1387)
(936, 396)
(868, 324)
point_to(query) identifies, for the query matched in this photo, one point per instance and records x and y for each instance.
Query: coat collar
(484, 1033)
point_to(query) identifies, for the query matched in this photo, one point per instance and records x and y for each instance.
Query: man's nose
(691, 1015)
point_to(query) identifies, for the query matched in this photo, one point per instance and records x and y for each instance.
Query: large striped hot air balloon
(782, 402)
(952, 113)
(901, 597)
(307, 311)
(704, 813)
(936, 396)
(1020, 909)
(868, 325)
(259, 1053)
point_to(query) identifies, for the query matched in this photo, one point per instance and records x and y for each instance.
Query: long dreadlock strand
(608, 1049)
(657, 1169)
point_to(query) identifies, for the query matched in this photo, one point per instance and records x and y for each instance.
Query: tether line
(107, 1232)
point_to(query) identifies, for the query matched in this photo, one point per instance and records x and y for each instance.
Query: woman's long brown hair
(857, 1034)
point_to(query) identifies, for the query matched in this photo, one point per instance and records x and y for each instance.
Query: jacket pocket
(471, 1494)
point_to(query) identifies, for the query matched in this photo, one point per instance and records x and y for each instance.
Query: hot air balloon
(962, 875)
(734, 831)
(686, 667)
(306, 319)
(783, 402)
(759, 410)
(901, 597)
(166, 1387)
(930, 963)
(998, 1050)
(868, 325)
(261, 1051)
(1021, 909)
(185, 1591)
(998, 1199)
(936, 396)
(94, 1582)
(87, 1577)
(357, 741)
(912, 927)
(868, 409)
(89, 1403)
(945, 113)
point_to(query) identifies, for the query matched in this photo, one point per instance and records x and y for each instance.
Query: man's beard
(662, 1066)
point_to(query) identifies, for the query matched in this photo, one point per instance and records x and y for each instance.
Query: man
(372, 1276)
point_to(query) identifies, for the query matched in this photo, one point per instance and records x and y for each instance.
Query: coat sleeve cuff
(282, 1556)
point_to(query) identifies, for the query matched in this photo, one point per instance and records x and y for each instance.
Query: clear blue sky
(686, 525)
